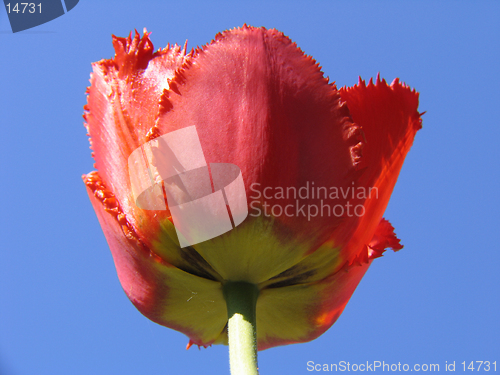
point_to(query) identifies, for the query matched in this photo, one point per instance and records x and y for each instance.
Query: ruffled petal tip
(383, 239)
(191, 343)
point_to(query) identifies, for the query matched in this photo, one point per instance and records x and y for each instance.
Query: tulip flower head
(239, 163)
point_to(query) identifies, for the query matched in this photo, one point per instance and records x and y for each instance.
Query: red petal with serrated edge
(383, 239)
(389, 120)
(260, 103)
(123, 103)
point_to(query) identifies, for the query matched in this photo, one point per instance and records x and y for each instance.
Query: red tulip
(318, 166)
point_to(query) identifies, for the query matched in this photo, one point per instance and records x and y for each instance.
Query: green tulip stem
(241, 300)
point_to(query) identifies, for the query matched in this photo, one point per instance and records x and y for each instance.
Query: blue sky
(62, 309)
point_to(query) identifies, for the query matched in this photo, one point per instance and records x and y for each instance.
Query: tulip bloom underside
(260, 103)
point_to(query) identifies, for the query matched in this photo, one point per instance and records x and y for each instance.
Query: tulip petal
(300, 313)
(123, 104)
(304, 311)
(258, 102)
(389, 119)
(122, 107)
(316, 266)
(165, 294)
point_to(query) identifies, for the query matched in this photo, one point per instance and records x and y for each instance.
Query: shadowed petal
(301, 313)
(165, 294)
